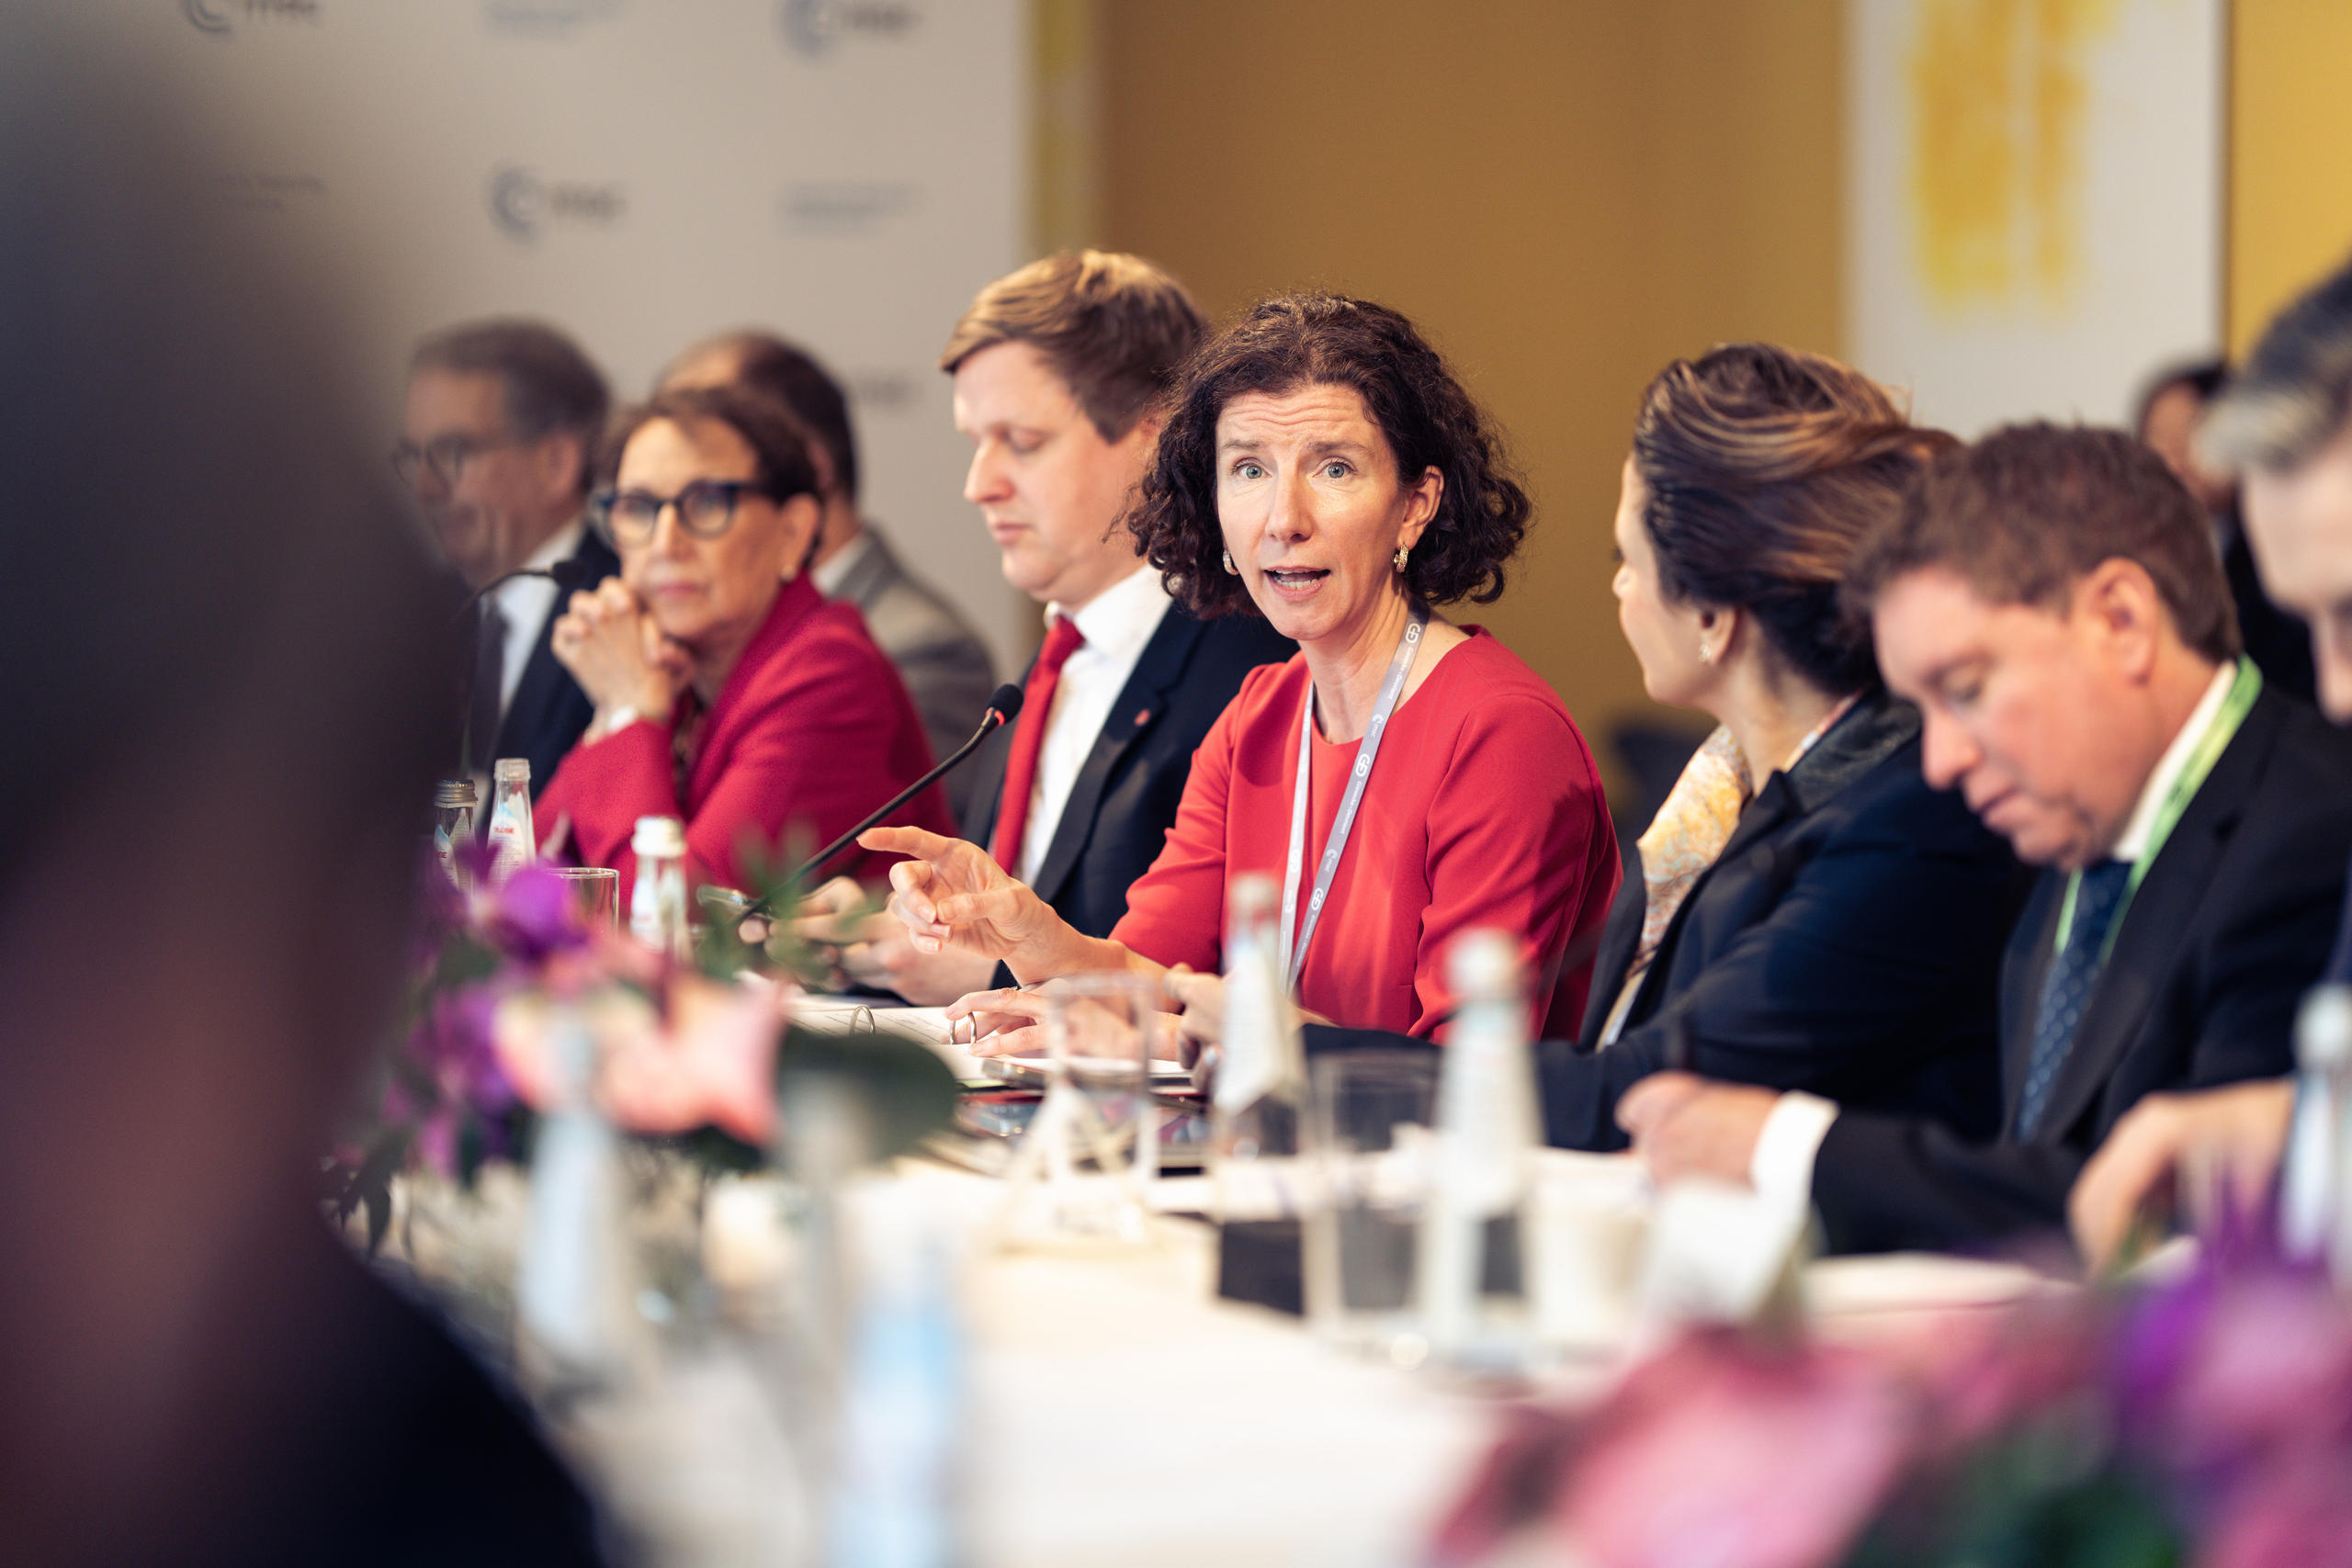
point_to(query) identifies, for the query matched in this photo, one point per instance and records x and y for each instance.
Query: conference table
(1114, 1409)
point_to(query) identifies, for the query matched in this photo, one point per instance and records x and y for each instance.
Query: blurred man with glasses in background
(497, 436)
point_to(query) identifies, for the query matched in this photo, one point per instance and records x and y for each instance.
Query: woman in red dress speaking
(1324, 468)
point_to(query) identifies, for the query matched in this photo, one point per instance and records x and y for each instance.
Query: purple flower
(2297, 1514)
(532, 916)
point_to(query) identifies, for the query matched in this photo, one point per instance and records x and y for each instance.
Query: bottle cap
(515, 770)
(1252, 896)
(2324, 1029)
(454, 792)
(1483, 965)
(658, 836)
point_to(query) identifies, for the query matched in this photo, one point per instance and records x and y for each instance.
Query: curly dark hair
(1308, 340)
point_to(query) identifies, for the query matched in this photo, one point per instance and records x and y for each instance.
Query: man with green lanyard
(2051, 600)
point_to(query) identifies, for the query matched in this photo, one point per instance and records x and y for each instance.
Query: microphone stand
(1001, 710)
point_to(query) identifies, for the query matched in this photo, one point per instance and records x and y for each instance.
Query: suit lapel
(2156, 925)
(1775, 805)
(1618, 939)
(1873, 730)
(872, 571)
(1142, 702)
(2024, 968)
(546, 684)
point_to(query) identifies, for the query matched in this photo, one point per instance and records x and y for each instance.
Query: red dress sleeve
(1512, 828)
(818, 735)
(601, 788)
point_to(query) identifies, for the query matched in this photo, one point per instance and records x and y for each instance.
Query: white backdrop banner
(2033, 200)
(644, 173)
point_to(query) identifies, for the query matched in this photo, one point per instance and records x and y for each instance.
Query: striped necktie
(2066, 989)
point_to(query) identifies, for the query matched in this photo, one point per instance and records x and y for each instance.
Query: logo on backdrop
(844, 207)
(262, 190)
(815, 27)
(219, 17)
(525, 205)
(883, 391)
(545, 19)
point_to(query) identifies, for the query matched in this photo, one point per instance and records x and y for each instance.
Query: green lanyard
(2235, 704)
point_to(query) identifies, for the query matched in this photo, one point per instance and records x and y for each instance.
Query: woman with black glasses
(728, 693)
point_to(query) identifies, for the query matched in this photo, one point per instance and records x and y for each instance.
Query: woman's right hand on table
(953, 898)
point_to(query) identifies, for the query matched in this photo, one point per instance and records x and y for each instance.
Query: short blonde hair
(1112, 326)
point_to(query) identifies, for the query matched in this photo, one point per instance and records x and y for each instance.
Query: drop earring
(1231, 569)
(1400, 557)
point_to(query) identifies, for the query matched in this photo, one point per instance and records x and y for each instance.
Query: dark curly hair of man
(1309, 339)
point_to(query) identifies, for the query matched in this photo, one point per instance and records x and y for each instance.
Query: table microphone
(1004, 708)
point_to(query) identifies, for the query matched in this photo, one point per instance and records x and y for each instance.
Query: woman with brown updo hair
(1810, 915)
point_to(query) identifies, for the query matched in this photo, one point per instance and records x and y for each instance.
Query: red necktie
(1062, 639)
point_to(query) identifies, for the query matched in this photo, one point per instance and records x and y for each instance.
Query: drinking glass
(1102, 1031)
(1369, 1114)
(596, 892)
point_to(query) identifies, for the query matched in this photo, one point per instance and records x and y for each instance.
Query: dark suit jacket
(2229, 927)
(1848, 941)
(2280, 643)
(945, 666)
(1126, 797)
(548, 710)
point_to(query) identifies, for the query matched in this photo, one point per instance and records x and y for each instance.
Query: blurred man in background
(498, 437)
(2284, 430)
(946, 667)
(2171, 409)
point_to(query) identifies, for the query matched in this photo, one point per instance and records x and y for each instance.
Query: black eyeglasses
(705, 510)
(446, 456)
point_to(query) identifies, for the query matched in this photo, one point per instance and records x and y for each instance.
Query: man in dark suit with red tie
(498, 433)
(1059, 370)
(2051, 600)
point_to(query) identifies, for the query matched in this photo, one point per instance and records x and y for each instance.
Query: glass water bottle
(512, 844)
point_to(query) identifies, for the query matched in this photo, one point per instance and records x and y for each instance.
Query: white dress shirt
(527, 603)
(1116, 624)
(1790, 1140)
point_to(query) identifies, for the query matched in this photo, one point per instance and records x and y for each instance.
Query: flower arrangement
(692, 1053)
(2205, 1421)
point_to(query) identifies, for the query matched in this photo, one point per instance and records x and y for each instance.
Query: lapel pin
(1143, 716)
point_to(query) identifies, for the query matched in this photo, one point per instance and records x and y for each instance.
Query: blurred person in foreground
(2284, 430)
(2170, 412)
(2051, 600)
(1062, 372)
(236, 732)
(1811, 913)
(728, 692)
(946, 667)
(498, 443)
(1323, 468)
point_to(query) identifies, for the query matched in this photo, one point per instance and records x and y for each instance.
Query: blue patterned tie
(2067, 987)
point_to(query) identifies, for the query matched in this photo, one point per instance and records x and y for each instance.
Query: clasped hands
(620, 655)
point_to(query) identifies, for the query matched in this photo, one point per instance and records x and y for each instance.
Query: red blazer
(1483, 809)
(812, 731)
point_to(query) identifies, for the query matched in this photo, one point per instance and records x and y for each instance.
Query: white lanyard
(1293, 958)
